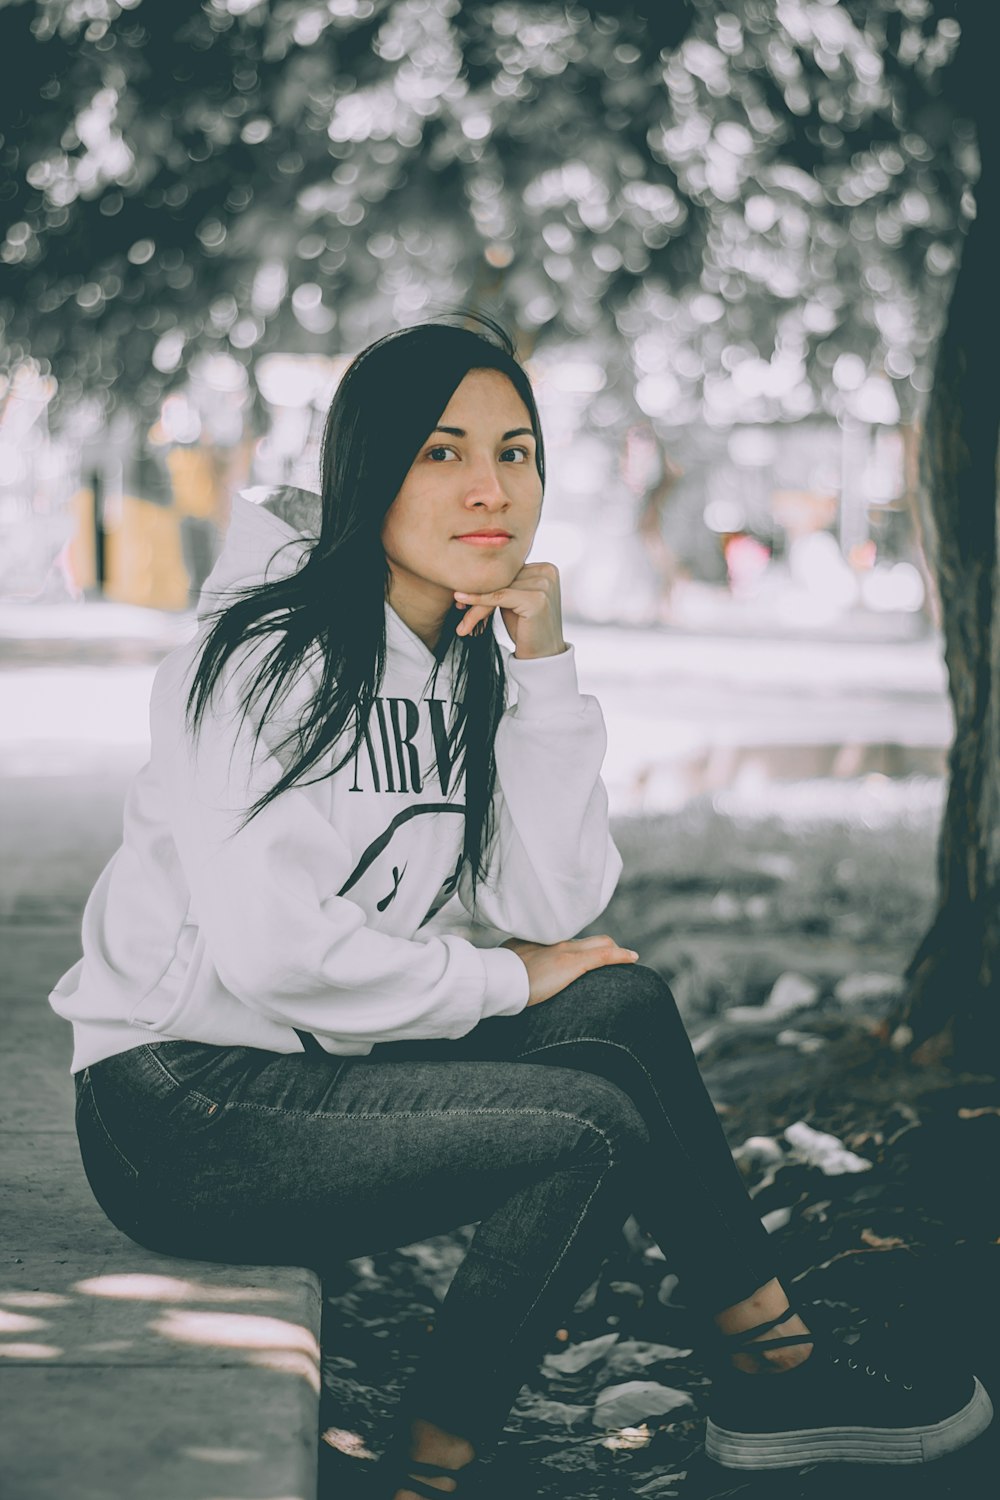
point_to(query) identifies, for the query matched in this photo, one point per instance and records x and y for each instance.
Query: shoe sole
(862, 1445)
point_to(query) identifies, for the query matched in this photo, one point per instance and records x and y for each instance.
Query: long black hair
(332, 610)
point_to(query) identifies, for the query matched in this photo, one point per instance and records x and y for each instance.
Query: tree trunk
(953, 1000)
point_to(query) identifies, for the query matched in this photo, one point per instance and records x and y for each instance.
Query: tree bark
(953, 995)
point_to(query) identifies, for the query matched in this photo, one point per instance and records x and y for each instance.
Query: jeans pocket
(199, 1076)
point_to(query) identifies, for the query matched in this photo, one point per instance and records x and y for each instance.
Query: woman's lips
(485, 541)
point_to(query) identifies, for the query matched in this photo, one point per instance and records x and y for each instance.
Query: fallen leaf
(628, 1437)
(791, 992)
(578, 1356)
(805, 1041)
(667, 1288)
(537, 1408)
(824, 1151)
(622, 1405)
(759, 1150)
(657, 1486)
(855, 989)
(877, 1242)
(588, 1297)
(346, 1442)
(626, 1288)
(639, 1353)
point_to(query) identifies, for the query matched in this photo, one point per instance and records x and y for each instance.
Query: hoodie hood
(271, 532)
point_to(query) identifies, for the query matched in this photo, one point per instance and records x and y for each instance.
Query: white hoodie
(310, 917)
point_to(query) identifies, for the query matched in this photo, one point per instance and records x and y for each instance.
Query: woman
(273, 1065)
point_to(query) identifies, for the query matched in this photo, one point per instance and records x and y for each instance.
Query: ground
(829, 885)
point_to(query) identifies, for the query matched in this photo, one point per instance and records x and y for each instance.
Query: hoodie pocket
(165, 997)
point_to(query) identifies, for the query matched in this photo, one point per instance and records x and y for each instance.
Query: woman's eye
(443, 448)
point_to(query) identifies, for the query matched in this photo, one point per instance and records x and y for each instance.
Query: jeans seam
(605, 1042)
(161, 1065)
(403, 1114)
(418, 1113)
(130, 1166)
(569, 1240)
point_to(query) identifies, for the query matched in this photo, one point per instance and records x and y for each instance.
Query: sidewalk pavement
(122, 1373)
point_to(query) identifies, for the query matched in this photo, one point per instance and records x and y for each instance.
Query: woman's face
(481, 477)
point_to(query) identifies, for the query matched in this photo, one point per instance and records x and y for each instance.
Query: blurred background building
(807, 519)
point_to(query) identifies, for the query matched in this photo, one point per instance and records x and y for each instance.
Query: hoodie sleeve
(264, 897)
(555, 865)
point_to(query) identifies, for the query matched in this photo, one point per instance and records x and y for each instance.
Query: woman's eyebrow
(461, 432)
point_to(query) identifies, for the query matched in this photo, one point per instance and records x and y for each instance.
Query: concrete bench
(123, 1372)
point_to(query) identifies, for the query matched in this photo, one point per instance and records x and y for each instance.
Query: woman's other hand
(531, 609)
(553, 966)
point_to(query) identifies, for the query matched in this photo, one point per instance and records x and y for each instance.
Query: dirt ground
(782, 922)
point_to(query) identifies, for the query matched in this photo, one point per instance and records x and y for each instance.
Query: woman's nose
(485, 485)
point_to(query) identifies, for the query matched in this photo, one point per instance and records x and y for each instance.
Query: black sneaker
(839, 1405)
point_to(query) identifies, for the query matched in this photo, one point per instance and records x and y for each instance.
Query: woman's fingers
(474, 613)
(614, 953)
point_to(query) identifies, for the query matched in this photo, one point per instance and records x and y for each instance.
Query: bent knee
(609, 1116)
(627, 993)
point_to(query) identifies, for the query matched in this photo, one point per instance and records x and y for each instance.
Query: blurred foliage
(742, 208)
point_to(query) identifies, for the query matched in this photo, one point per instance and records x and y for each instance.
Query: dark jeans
(548, 1128)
